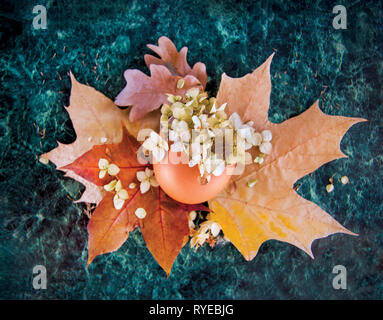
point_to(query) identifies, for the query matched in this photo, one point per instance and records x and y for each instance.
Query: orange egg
(183, 183)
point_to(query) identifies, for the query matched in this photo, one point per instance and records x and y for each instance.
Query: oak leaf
(272, 209)
(146, 94)
(175, 61)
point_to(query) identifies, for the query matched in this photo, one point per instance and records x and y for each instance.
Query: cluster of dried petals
(205, 231)
(156, 145)
(115, 185)
(194, 124)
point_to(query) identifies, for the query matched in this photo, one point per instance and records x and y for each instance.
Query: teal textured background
(39, 224)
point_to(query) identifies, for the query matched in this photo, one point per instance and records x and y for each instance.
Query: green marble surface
(39, 224)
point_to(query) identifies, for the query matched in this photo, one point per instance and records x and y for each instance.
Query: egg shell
(182, 183)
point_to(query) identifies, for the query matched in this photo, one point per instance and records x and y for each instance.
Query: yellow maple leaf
(271, 209)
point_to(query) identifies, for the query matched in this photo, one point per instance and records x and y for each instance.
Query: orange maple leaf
(272, 209)
(165, 225)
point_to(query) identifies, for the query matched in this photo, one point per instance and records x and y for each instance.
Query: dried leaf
(109, 228)
(122, 154)
(174, 61)
(165, 226)
(146, 94)
(95, 118)
(272, 209)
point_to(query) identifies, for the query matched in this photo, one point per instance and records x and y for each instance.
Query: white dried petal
(103, 164)
(145, 186)
(236, 120)
(148, 172)
(103, 140)
(132, 185)
(110, 186)
(113, 169)
(265, 147)
(123, 194)
(219, 169)
(330, 188)
(140, 213)
(118, 186)
(171, 98)
(102, 174)
(192, 93)
(118, 202)
(173, 136)
(158, 154)
(141, 175)
(201, 169)
(192, 215)
(345, 180)
(155, 137)
(213, 109)
(222, 107)
(215, 229)
(267, 135)
(252, 183)
(163, 145)
(256, 139)
(197, 122)
(149, 144)
(43, 160)
(180, 83)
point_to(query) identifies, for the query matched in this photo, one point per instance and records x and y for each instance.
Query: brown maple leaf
(272, 209)
(96, 119)
(146, 94)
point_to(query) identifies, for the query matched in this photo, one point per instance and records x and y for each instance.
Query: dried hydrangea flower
(106, 167)
(110, 186)
(206, 229)
(245, 131)
(147, 179)
(192, 216)
(119, 198)
(180, 135)
(265, 147)
(156, 145)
